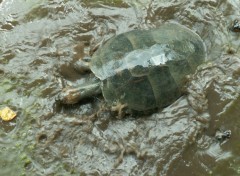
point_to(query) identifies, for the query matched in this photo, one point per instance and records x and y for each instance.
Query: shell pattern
(145, 69)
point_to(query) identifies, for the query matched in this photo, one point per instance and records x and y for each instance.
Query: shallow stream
(41, 40)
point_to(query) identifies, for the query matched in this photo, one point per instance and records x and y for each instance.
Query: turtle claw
(120, 109)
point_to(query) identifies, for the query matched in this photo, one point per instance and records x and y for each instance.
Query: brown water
(40, 41)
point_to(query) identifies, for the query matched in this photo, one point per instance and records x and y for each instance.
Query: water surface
(39, 43)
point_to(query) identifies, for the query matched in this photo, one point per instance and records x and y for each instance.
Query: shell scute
(145, 69)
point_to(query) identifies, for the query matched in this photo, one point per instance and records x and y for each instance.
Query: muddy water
(39, 43)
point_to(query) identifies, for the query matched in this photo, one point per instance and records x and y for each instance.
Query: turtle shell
(145, 69)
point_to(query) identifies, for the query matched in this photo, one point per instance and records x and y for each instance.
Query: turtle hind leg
(120, 108)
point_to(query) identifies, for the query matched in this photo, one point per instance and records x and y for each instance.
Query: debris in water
(7, 114)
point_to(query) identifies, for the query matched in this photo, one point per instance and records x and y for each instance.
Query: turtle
(143, 69)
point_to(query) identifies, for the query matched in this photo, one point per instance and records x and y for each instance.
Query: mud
(39, 43)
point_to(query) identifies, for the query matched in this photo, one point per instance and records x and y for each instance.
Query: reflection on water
(41, 40)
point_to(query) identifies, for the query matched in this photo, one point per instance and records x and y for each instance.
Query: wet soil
(40, 41)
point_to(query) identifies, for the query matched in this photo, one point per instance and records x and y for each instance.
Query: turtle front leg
(74, 95)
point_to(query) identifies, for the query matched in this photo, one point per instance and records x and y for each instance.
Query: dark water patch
(1, 73)
(110, 3)
(7, 56)
(213, 155)
(8, 126)
(69, 72)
